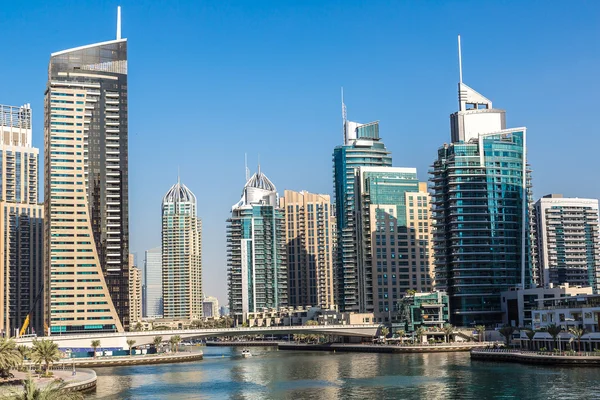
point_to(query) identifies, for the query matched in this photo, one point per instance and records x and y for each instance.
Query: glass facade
(483, 230)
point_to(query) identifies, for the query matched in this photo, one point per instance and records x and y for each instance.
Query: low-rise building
(425, 310)
(567, 312)
(518, 304)
(299, 316)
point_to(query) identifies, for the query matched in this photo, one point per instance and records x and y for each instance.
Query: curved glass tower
(86, 189)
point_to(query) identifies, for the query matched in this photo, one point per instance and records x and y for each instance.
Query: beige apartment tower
(135, 293)
(309, 226)
(21, 224)
(181, 254)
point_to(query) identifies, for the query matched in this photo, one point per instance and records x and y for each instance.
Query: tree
(480, 332)
(578, 333)
(411, 292)
(54, 390)
(401, 333)
(130, 343)
(419, 334)
(46, 352)
(554, 331)
(530, 335)
(9, 356)
(95, 345)
(23, 350)
(384, 331)
(448, 331)
(175, 340)
(139, 326)
(507, 331)
(157, 342)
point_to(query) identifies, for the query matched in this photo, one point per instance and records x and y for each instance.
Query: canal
(272, 374)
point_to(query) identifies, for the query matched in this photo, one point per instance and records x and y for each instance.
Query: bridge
(119, 340)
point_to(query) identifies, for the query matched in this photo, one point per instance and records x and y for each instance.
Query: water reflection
(224, 374)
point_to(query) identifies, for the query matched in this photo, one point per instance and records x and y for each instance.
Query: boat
(246, 353)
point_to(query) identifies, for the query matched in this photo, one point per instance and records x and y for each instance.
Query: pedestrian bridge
(119, 340)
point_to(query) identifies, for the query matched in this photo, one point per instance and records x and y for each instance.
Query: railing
(541, 353)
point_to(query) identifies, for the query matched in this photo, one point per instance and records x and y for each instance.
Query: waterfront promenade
(383, 348)
(113, 361)
(83, 381)
(583, 359)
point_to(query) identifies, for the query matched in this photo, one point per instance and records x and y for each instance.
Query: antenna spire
(259, 164)
(459, 61)
(118, 22)
(344, 116)
(246, 166)
(178, 177)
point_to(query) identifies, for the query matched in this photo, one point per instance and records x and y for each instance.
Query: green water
(271, 374)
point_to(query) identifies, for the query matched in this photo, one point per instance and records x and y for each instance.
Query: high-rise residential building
(181, 254)
(362, 147)
(135, 292)
(394, 239)
(86, 189)
(210, 307)
(482, 203)
(152, 290)
(309, 232)
(21, 223)
(257, 270)
(568, 241)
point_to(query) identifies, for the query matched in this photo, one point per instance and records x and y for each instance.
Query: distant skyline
(209, 82)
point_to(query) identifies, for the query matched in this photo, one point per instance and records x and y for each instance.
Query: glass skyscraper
(362, 147)
(86, 189)
(482, 207)
(257, 269)
(181, 254)
(152, 290)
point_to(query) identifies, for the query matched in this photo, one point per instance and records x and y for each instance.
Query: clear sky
(211, 80)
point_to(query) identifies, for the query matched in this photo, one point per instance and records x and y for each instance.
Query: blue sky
(211, 80)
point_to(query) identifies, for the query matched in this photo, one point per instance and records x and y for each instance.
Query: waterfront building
(482, 206)
(581, 311)
(568, 241)
(518, 304)
(424, 310)
(257, 270)
(393, 234)
(181, 254)
(153, 292)
(309, 227)
(86, 189)
(362, 146)
(135, 292)
(21, 223)
(210, 307)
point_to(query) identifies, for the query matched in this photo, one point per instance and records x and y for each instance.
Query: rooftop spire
(259, 164)
(118, 22)
(178, 178)
(459, 61)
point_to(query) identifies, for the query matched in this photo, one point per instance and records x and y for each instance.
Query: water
(273, 374)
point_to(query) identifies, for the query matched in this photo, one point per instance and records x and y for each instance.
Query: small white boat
(246, 353)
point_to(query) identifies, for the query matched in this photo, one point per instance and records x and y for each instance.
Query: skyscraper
(362, 147)
(309, 230)
(393, 238)
(21, 219)
(153, 292)
(568, 241)
(86, 188)
(481, 209)
(257, 270)
(181, 254)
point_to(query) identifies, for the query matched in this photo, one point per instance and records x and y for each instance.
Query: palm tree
(95, 345)
(384, 331)
(419, 334)
(578, 333)
(46, 352)
(480, 332)
(130, 343)
(54, 390)
(530, 335)
(157, 342)
(175, 340)
(23, 350)
(401, 333)
(9, 356)
(554, 331)
(448, 331)
(139, 326)
(507, 331)
(411, 292)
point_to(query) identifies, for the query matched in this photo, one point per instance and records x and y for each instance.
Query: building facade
(257, 270)
(483, 230)
(309, 227)
(152, 290)
(426, 310)
(21, 224)
(394, 238)
(181, 254)
(362, 147)
(135, 292)
(86, 189)
(210, 307)
(568, 241)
